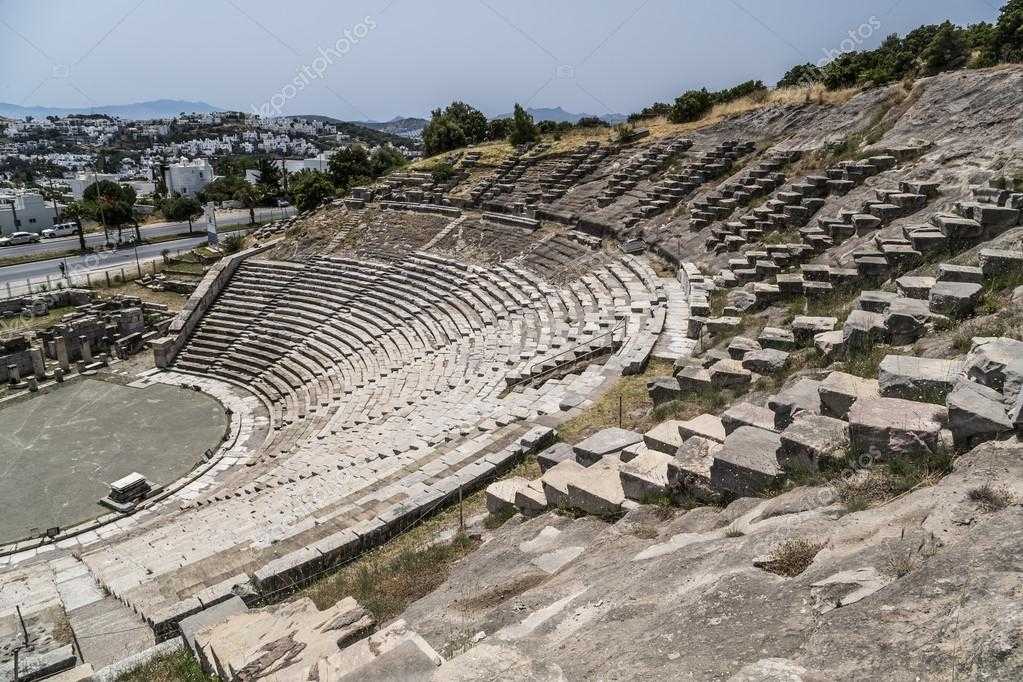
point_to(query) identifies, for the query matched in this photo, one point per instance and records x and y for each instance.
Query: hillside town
(48, 163)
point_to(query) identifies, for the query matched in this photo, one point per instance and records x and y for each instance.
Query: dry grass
(895, 477)
(387, 579)
(991, 499)
(793, 557)
(179, 666)
(637, 410)
(175, 302)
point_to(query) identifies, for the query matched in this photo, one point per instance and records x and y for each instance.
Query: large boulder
(747, 463)
(838, 392)
(926, 380)
(976, 413)
(610, 441)
(802, 396)
(891, 427)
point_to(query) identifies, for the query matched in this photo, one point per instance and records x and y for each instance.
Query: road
(95, 239)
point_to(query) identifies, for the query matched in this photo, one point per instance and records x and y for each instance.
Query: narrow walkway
(673, 342)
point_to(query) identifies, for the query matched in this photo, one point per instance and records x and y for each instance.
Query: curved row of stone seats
(794, 205)
(649, 161)
(503, 179)
(556, 177)
(675, 186)
(760, 180)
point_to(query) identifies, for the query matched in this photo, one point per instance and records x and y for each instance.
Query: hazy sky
(389, 57)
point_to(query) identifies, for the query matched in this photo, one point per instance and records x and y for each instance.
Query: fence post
(107, 274)
(9, 290)
(88, 280)
(48, 285)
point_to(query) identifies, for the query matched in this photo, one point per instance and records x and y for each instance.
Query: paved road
(232, 217)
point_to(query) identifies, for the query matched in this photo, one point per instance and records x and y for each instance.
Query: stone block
(999, 261)
(693, 378)
(650, 474)
(948, 272)
(915, 287)
(766, 361)
(531, 501)
(740, 346)
(997, 363)
(706, 426)
(802, 396)
(746, 414)
(804, 328)
(747, 463)
(921, 379)
(890, 427)
(694, 460)
(597, 490)
(838, 391)
(665, 437)
(955, 299)
(555, 454)
(609, 441)
(810, 439)
(830, 344)
(777, 339)
(976, 413)
(862, 330)
(729, 374)
(211, 616)
(664, 390)
(500, 495)
(555, 482)
(906, 320)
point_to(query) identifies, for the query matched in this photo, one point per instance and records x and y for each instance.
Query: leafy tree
(384, 159)
(499, 129)
(348, 164)
(947, 50)
(473, 122)
(801, 75)
(311, 188)
(110, 204)
(592, 122)
(1008, 38)
(269, 176)
(442, 134)
(691, 106)
(249, 197)
(523, 129)
(223, 188)
(77, 210)
(179, 208)
(443, 173)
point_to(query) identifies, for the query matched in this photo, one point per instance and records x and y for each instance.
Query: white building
(188, 178)
(80, 182)
(22, 211)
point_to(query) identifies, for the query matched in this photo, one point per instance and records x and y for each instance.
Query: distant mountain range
(559, 115)
(362, 132)
(399, 125)
(160, 108)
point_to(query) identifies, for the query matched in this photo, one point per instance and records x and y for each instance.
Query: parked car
(62, 230)
(15, 238)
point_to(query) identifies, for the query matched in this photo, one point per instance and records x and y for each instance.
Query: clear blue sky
(408, 56)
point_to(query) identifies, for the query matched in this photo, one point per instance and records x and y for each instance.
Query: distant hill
(402, 126)
(160, 108)
(361, 132)
(559, 115)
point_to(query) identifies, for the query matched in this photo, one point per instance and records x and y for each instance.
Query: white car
(62, 230)
(15, 238)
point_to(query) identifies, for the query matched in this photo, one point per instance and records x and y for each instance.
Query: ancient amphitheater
(387, 355)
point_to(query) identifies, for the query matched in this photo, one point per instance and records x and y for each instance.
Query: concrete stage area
(60, 450)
